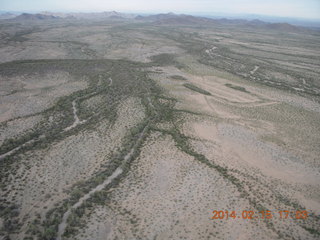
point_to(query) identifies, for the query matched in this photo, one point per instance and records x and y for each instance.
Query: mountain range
(160, 19)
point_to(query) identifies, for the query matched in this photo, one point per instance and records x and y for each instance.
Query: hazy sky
(285, 8)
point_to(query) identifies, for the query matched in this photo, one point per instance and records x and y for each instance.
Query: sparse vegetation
(196, 89)
(178, 77)
(182, 155)
(239, 88)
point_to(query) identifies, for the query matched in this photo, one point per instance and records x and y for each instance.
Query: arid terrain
(136, 127)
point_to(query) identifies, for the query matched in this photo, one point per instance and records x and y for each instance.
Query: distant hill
(175, 19)
(256, 23)
(38, 16)
(284, 27)
(96, 15)
(171, 18)
(159, 19)
(52, 15)
(156, 17)
(7, 15)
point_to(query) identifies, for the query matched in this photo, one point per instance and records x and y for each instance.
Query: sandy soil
(251, 144)
(159, 197)
(35, 90)
(17, 127)
(73, 159)
(251, 133)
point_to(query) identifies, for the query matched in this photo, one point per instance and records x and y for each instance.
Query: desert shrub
(49, 233)
(164, 59)
(178, 77)
(239, 88)
(196, 89)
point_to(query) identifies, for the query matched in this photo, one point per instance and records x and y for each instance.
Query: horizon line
(211, 14)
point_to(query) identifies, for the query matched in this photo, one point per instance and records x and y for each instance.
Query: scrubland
(192, 118)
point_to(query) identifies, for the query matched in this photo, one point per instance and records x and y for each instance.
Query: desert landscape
(117, 126)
